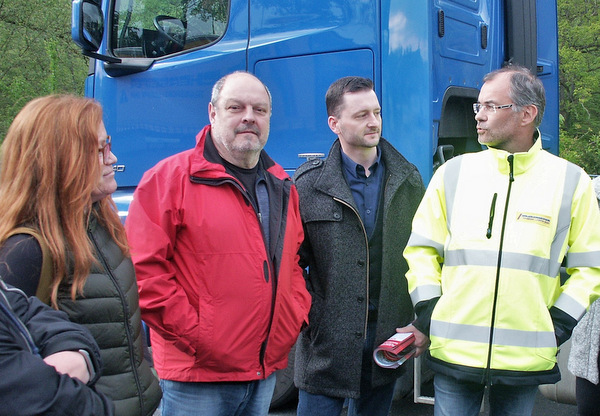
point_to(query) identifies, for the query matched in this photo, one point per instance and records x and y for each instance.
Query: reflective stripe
(572, 177)
(450, 184)
(479, 334)
(417, 240)
(425, 292)
(517, 261)
(589, 259)
(569, 305)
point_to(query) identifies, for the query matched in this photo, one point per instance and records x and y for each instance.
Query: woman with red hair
(56, 179)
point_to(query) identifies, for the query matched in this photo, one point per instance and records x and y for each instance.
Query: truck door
(171, 53)
(298, 48)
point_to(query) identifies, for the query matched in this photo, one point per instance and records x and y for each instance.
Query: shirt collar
(353, 168)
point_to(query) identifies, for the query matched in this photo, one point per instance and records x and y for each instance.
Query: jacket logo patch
(535, 218)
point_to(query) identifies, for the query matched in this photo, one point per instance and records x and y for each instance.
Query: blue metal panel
(299, 121)
(547, 35)
(158, 112)
(298, 49)
(406, 74)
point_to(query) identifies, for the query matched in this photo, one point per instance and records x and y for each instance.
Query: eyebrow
(238, 101)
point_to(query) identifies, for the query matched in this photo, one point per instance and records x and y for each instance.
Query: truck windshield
(155, 28)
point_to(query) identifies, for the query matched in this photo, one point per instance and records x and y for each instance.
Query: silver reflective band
(481, 334)
(417, 240)
(425, 292)
(510, 260)
(570, 306)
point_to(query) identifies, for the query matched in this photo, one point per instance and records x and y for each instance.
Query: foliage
(38, 55)
(579, 52)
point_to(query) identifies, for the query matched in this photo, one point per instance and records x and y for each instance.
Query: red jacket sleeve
(151, 225)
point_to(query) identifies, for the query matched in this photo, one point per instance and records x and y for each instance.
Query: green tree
(579, 52)
(38, 55)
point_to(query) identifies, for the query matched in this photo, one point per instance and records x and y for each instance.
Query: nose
(374, 119)
(112, 159)
(248, 116)
(480, 115)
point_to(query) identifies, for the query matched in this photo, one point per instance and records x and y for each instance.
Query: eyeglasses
(105, 150)
(489, 108)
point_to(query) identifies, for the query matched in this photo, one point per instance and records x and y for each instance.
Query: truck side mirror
(87, 24)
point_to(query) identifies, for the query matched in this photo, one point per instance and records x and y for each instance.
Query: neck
(364, 156)
(244, 161)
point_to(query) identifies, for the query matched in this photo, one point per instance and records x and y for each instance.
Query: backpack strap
(47, 272)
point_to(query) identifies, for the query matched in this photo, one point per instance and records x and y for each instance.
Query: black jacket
(29, 331)
(109, 308)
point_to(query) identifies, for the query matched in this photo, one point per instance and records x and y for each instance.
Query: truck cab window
(155, 28)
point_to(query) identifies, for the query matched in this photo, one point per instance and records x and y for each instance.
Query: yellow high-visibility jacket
(488, 239)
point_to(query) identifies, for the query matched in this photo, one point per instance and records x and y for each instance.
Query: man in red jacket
(214, 234)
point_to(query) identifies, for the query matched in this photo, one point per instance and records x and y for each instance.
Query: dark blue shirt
(365, 190)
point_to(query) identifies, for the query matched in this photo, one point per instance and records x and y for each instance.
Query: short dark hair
(334, 97)
(525, 88)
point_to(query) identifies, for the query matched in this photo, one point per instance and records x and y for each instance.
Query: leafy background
(39, 58)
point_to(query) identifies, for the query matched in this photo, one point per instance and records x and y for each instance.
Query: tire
(285, 391)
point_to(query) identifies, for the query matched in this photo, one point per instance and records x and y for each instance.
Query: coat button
(360, 262)
(336, 215)
(358, 334)
(360, 299)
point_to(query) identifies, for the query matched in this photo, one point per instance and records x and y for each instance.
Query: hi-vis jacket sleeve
(425, 249)
(151, 230)
(583, 252)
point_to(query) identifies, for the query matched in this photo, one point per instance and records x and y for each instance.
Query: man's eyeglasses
(105, 150)
(489, 108)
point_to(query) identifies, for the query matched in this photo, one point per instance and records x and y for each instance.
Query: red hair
(49, 168)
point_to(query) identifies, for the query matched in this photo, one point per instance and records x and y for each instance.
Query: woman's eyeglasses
(105, 150)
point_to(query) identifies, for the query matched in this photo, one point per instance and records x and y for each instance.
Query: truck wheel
(285, 391)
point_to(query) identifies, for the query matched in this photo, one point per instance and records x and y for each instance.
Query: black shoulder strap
(45, 282)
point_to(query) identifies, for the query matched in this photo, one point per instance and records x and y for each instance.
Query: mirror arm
(105, 58)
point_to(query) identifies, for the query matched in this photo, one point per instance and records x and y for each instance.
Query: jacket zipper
(130, 340)
(267, 265)
(511, 178)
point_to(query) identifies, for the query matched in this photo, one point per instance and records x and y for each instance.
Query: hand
(71, 363)
(421, 340)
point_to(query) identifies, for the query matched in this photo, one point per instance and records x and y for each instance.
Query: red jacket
(220, 307)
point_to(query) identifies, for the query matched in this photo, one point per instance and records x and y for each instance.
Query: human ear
(530, 112)
(333, 124)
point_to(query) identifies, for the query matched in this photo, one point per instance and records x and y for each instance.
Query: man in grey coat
(356, 208)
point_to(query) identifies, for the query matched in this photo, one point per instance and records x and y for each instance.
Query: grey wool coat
(329, 351)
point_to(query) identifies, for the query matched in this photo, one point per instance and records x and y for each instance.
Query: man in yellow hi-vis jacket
(485, 252)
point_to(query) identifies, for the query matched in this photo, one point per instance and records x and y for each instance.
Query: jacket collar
(207, 163)
(522, 160)
(331, 180)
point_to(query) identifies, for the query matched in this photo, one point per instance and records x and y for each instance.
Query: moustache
(247, 129)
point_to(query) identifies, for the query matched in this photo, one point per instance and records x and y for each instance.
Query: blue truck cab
(154, 63)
